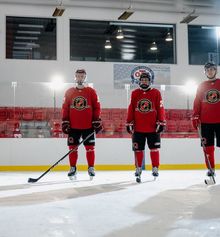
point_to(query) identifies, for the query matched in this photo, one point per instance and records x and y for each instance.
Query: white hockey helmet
(210, 65)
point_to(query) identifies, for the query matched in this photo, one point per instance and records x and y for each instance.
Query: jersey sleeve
(96, 107)
(197, 103)
(65, 108)
(160, 108)
(130, 114)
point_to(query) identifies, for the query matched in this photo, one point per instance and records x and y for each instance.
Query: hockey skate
(155, 172)
(72, 173)
(91, 172)
(138, 174)
(210, 172)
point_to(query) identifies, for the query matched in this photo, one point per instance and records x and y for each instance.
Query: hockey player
(80, 117)
(146, 120)
(206, 114)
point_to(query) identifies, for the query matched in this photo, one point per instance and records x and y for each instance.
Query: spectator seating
(40, 114)
(15, 113)
(171, 126)
(3, 113)
(114, 120)
(28, 114)
(184, 126)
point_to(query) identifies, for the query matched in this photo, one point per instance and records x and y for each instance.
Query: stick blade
(31, 180)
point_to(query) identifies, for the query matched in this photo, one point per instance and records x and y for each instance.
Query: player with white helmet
(206, 114)
(81, 117)
(80, 77)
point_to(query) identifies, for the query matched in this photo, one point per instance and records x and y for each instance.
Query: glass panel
(203, 44)
(30, 38)
(122, 42)
(38, 114)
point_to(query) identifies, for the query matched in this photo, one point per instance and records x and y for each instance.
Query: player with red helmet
(145, 121)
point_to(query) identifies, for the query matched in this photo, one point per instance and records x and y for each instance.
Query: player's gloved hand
(130, 128)
(66, 127)
(97, 125)
(160, 126)
(195, 121)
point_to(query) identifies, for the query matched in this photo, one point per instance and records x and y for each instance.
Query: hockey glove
(66, 127)
(160, 126)
(195, 121)
(130, 128)
(97, 125)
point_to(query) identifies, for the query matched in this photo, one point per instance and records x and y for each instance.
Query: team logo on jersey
(79, 103)
(213, 96)
(144, 105)
(137, 71)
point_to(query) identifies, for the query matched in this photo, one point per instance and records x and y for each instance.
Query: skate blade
(72, 177)
(210, 181)
(138, 179)
(91, 177)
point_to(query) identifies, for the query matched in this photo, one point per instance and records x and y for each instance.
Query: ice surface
(178, 203)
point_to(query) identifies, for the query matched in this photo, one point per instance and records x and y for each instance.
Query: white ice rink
(178, 203)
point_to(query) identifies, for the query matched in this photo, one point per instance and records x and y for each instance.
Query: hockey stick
(32, 180)
(210, 181)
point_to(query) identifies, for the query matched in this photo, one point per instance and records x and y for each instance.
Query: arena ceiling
(170, 6)
(183, 7)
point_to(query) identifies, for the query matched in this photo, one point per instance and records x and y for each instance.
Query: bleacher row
(178, 123)
(46, 122)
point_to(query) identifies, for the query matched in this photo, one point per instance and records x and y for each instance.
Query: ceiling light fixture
(59, 10)
(153, 46)
(108, 44)
(190, 17)
(126, 14)
(120, 34)
(168, 37)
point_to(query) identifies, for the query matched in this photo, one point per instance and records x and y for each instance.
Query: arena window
(122, 42)
(203, 44)
(30, 38)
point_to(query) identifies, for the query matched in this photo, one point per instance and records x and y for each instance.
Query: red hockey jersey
(207, 102)
(80, 107)
(145, 109)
